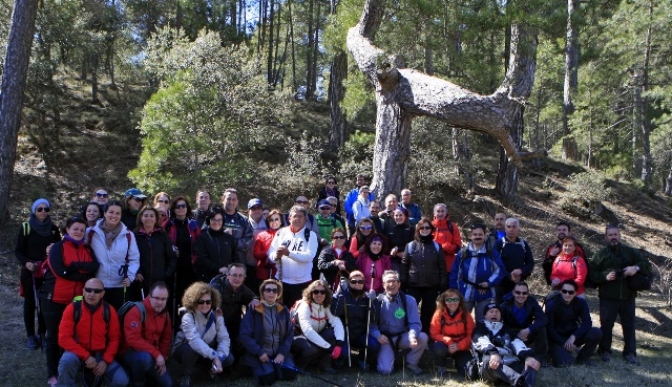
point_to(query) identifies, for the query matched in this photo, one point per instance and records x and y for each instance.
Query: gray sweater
(393, 320)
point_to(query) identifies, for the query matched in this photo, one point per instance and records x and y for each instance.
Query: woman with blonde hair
(451, 328)
(202, 336)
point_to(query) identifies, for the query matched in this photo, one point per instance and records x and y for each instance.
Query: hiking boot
(185, 381)
(630, 358)
(52, 381)
(32, 342)
(441, 371)
(414, 369)
(605, 356)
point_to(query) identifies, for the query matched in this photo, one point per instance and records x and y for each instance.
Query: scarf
(110, 234)
(42, 229)
(74, 242)
(330, 192)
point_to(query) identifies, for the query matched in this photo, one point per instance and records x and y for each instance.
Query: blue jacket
(467, 273)
(252, 330)
(350, 200)
(414, 213)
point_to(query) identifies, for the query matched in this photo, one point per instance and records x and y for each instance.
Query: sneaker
(32, 342)
(414, 369)
(52, 381)
(605, 356)
(630, 358)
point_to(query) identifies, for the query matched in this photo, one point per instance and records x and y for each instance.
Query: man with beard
(562, 231)
(610, 269)
(355, 318)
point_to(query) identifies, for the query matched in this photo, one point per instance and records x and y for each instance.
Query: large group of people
(135, 282)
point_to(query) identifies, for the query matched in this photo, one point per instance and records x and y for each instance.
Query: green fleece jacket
(616, 258)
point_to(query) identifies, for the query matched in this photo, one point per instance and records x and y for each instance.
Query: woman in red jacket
(569, 265)
(451, 329)
(72, 263)
(262, 242)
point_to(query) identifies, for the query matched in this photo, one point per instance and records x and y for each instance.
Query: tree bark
(339, 72)
(643, 105)
(309, 52)
(13, 83)
(402, 94)
(571, 79)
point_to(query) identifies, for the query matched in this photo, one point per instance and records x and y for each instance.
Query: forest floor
(67, 170)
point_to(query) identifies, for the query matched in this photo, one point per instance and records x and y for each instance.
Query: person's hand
(554, 251)
(279, 359)
(630, 271)
(371, 294)
(217, 363)
(254, 303)
(341, 266)
(224, 270)
(139, 277)
(533, 363)
(611, 276)
(413, 342)
(90, 362)
(228, 231)
(31, 266)
(382, 339)
(263, 358)
(453, 347)
(495, 361)
(516, 274)
(160, 365)
(126, 282)
(49, 248)
(523, 334)
(569, 344)
(100, 368)
(336, 353)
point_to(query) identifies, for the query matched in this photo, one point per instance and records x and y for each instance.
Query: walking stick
(368, 320)
(347, 330)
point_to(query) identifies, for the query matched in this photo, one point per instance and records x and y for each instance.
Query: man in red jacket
(89, 333)
(447, 234)
(146, 341)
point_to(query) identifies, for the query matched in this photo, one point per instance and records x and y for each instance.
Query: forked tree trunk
(402, 94)
(11, 93)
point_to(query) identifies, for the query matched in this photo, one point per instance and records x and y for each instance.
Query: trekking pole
(368, 319)
(300, 371)
(37, 301)
(123, 272)
(347, 330)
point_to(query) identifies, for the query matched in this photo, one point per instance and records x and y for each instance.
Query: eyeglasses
(160, 299)
(301, 202)
(565, 291)
(318, 291)
(274, 220)
(165, 201)
(255, 208)
(236, 275)
(216, 220)
(331, 182)
(204, 302)
(425, 228)
(456, 299)
(325, 208)
(101, 195)
(393, 281)
(270, 290)
(366, 227)
(40, 209)
(94, 290)
(357, 282)
(517, 292)
(338, 237)
(180, 206)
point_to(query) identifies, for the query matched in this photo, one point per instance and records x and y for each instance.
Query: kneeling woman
(202, 336)
(267, 334)
(451, 329)
(322, 334)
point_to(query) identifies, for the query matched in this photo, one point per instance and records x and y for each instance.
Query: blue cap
(136, 193)
(254, 202)
(39, 201)
(323, 202)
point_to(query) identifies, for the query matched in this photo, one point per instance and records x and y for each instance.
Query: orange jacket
(448, 330)
(450, 242)
(89, 335)
(154, 336)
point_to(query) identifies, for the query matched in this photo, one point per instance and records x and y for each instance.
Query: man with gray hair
(293, 250)
(414, 213)
(516, 256)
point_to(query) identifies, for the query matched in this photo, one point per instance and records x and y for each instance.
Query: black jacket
(424, 266)
(214, 250)
(33, 247)
(325, 263)
(566, 320)
(535, 320)
(157, 258)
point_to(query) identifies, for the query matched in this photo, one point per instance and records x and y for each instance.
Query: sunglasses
(204, 302)
(325, 208)
(270, 290)
(338, 237)
(456, 299)
(317, 291)
(366, 227)
(425, 228)
(274, 220)
(101, 195)
(180, 206)
(301, 202)
(138, 199)
(570, 292)
(216, 220)
(40, 209)
(331, 182)
(94, 290)
(357, 282)
(254, 208)
(521, 293)
(164, 201)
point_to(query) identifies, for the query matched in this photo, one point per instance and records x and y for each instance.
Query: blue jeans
(141, 365)
(114, 376)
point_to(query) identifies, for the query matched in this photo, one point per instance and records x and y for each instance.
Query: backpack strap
(128, 250)
(89, 236)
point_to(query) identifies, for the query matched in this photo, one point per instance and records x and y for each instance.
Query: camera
(619, 274)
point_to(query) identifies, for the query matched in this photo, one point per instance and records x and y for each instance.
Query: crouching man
(147, 336)
(89, 334)
(503, 358)
(399, 327)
